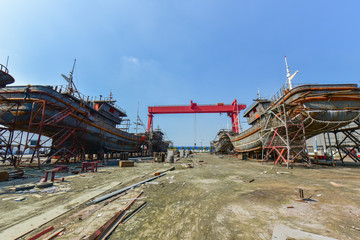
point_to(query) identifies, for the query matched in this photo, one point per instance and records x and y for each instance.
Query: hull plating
(88, 125)
(321, 108)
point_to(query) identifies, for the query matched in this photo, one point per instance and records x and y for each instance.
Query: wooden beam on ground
(106, 229)
(42, 233)
(25, 227)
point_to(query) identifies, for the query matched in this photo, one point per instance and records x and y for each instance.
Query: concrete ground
(221, 197)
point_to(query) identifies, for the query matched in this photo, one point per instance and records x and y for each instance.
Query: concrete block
(126, 163)
(170, 156)
(182, 153)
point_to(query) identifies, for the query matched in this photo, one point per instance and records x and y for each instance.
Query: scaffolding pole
(283, 136)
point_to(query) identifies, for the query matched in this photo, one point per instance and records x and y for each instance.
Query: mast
(7, 61)
(138, 122)
(71, 85)
(137, 119)
(110, 96)
(289, 76)
(72, 71)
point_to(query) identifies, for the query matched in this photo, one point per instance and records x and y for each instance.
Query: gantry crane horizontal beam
(232, 110)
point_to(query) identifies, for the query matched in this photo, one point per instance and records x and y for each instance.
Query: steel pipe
(100, 199)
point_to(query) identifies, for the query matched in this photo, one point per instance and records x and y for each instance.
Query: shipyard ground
(219, 198)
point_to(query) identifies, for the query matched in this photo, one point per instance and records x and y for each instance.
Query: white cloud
(133, 60)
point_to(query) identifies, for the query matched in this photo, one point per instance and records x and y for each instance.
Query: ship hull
(320, 108)
(63, 118)
(224, 144)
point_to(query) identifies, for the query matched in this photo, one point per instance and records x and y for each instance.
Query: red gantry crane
(231, 110)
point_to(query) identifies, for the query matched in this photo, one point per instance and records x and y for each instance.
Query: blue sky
(170, 52)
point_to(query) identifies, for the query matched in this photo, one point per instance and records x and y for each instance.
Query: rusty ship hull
(321, 108)
(66, 119)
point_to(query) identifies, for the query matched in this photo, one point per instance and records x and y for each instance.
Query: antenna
(137, 118)
(287, 68)
(7, 61)
(289, 76)
(139, 122)
(70, 78)
(71, 86)
(72, 71)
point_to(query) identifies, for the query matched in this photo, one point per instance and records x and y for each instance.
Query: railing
(4, 69)
(112, 102)
(88, 100)
(279, 94)
(66, 89)
(283, 91)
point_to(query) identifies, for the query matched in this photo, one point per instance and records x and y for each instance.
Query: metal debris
(100, 199)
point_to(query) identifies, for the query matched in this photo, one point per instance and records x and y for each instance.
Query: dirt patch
(222, 198)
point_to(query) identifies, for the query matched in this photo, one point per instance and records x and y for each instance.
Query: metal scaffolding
(344, 142)
(283, 135)
(31, 138)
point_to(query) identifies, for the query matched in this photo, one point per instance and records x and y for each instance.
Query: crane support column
(150, 123)
(235, 117)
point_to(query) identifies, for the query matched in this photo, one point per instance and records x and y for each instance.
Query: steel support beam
(232, 111)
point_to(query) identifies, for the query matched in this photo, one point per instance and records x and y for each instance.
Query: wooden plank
(42, 233)
(55, 234)
(27, 225)
(126, 163)
(111, 224)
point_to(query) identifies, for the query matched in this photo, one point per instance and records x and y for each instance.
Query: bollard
(301, 192)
